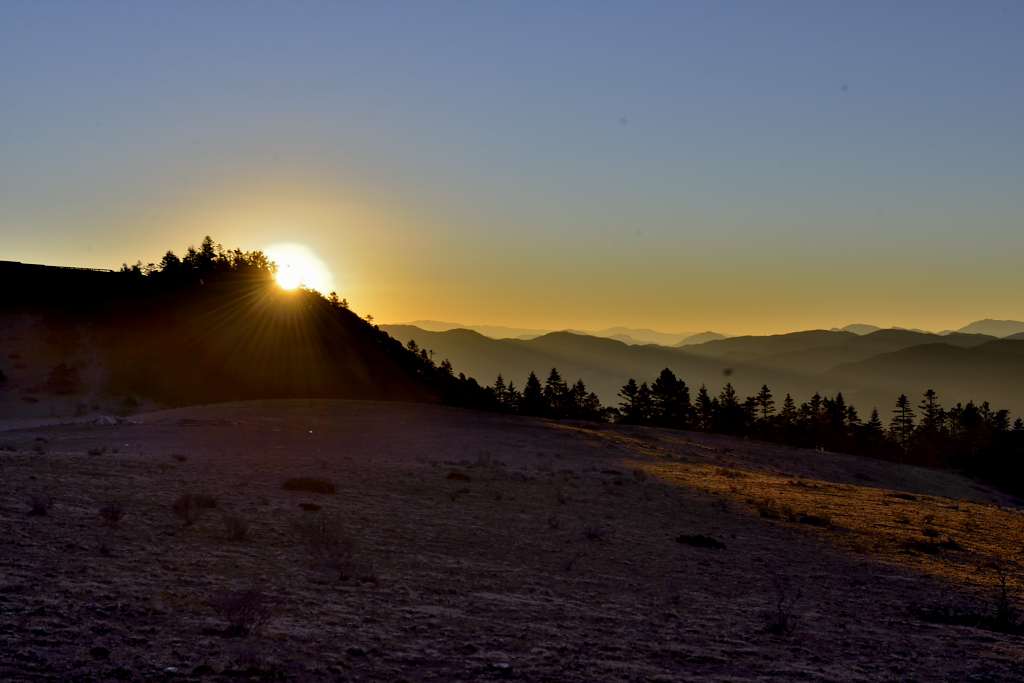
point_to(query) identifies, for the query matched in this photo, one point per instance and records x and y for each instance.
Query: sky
(745, 167)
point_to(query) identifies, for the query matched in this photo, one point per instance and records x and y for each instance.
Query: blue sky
(742, 166)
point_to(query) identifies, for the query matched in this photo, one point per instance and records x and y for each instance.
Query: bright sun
(298, 266)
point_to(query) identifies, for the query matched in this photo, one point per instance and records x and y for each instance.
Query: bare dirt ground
(466, 546)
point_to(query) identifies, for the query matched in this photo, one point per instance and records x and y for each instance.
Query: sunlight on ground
(298, 266)
(944, 537)
(966, 542)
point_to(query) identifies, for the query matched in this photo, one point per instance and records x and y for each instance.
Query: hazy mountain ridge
(995, 328)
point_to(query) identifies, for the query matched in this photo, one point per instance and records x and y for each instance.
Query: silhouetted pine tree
(730, 415)
(501, 391)
(902, 424)
(628, 405)
(556, 394)
(532, 401)
(765, 403)
(704, 410)
(671, 401)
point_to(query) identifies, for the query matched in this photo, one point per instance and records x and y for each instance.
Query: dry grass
(930, 534)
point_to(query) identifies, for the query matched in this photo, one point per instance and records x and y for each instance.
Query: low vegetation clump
(246, 611)
(310, 485)
(700, 541)
(39, 504)
(333, 548)
(782, 619)
(769, 510)
(112, 513)
(237, 528)
(189, 507)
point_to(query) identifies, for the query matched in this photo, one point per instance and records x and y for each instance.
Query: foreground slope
(487, 547)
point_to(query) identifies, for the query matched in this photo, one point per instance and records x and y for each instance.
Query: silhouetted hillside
(211, 326)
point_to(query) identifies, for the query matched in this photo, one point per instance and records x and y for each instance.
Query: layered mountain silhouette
(870, 369)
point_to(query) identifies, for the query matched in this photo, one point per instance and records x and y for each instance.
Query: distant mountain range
(626, 335)
(870, 369)
(996, 328)
(642, 336)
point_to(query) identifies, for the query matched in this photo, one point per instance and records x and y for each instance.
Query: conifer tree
(765, 403)
(902, 424)
(532, 401)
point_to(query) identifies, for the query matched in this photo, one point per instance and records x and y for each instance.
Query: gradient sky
(745, 167)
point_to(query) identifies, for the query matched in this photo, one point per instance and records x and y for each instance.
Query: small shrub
(813, 520)
(596, 534)
(458, 476)
(179, 457)
(189, 507)
(1004, 613)
(39, 504)
(97, 451)
(931, 547)
(782, 619)
(728, 473)
(246, 611)
(112, 513)
(700, 541)
(334, 549)
(309, 485)
(237, 528)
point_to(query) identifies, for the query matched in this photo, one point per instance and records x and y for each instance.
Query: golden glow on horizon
(298, 266)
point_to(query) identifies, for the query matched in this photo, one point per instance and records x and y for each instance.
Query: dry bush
(333, 548)
(246, 611)
(112, 513)
(596, 533)
(236, 527)
(782, 619)
(39, 504)
(309, 485)
(189, 507)
(769, 510)
(700, 541)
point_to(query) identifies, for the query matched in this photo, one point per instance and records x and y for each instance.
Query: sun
(298, 266)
